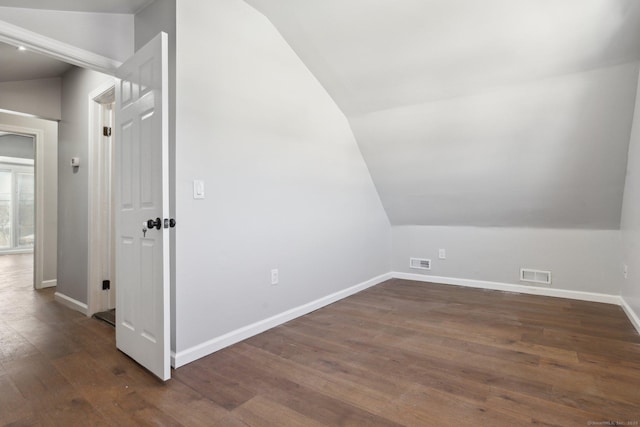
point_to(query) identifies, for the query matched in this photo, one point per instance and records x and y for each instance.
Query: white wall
(630, 224)
(546, 154)
(49, 232)
(286, 186)
(73, 195)
(106, 34)
(580, 260)
(38, 97)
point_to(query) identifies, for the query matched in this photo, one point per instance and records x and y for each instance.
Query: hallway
(58, 367)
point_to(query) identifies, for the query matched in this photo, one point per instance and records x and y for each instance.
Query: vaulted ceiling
(500, 112)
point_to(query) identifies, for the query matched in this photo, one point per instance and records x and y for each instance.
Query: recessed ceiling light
(22, 48)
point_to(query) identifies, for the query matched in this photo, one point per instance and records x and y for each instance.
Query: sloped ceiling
(492, 113)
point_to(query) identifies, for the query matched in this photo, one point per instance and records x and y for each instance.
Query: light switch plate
(198, 189)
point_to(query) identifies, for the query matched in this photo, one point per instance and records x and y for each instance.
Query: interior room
(319, 213)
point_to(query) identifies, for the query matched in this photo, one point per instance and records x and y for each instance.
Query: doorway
(142, 201)
(28, 212)
(17, 194)
(102, 284)
(17, 203)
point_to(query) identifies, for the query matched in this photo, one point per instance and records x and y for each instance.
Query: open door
(142, 204)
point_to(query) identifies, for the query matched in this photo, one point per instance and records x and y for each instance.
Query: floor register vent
(535, 276)
(420, 263)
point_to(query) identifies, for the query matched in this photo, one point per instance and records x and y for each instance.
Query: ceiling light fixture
(22, 48)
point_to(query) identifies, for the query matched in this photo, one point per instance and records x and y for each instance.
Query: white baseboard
(71, 303)
(48, 284)
(181, 358)
(508, 287)
(196, 352)
(632, 315)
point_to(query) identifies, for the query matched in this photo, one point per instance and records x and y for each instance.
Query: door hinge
(106, 285)
(106, 131)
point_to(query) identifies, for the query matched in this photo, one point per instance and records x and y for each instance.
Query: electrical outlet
(625, 270)
(442, 253)
(274, 276)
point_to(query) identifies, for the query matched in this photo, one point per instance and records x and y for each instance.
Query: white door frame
(38, 168)
(99, 196)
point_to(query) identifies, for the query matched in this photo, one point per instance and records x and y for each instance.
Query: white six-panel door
(142, 184)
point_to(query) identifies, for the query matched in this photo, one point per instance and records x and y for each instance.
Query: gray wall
(73, 196)
(580, 260)
(286, 186)
(630, 225)
(547, 154)
(160, 15)
(17, 146)
(49, 233)
(38, 97)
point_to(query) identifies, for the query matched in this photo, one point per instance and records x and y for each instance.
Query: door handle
(169, 222)
(157, 224)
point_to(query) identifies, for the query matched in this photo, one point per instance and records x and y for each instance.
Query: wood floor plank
(264, 412)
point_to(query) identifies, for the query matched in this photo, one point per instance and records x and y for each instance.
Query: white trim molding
(71, 303)
(632, 315)
(39, 144)
(181, 358)
(48, 284)
(508, 287)
(201, 350)
(18, 36)
(17, 161)
(97, 299)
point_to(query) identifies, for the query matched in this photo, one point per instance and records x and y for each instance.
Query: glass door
(17, 208)
(25, 210)
(6, 209)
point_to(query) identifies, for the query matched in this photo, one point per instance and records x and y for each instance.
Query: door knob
(169, 222)
(157, 224)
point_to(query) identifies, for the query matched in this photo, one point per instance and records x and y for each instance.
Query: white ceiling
(97, 6)
(18, 65)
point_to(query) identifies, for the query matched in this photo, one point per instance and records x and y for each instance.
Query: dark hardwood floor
(402, 353)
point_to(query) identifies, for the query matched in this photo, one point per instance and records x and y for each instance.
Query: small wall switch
(75, 162)
(625, 270)
(274, 276)
(198, 189)
(442, 253)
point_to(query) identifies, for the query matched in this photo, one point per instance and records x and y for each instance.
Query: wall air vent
(420, 263)
(535, 276)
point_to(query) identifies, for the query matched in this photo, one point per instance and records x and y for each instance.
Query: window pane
(5, 208)
(25, 209)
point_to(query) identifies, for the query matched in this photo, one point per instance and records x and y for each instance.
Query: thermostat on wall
(75, 161)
